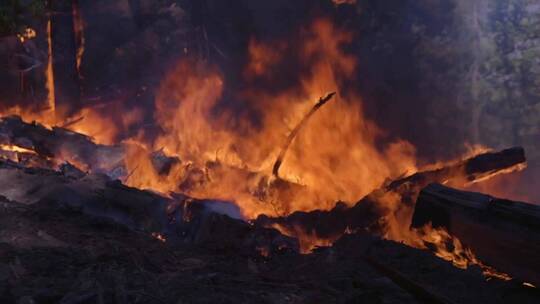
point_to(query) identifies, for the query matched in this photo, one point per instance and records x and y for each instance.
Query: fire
(503, 185)
(333, 158)
(17, 149)
(27, 34)
(27, 114)
(229, 154)
(437, 240)
(516, 168)
(104, 128)
(159, 237)
(308, 240)
(49, 75)
(451, 249)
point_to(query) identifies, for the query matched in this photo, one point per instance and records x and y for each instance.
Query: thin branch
(290, 138)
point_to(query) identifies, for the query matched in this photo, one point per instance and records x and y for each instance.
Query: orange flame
(442, 244)
(15, 148)
(333, 158)
(224, 155)
(49, 75)
(104, 127)
(308, 240)
(451, 249)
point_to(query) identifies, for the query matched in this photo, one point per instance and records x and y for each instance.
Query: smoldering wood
(502, 233)
(179, 218)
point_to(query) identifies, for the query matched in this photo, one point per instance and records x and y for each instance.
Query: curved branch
(290, 138)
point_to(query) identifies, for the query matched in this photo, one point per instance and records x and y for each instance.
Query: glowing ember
(516, 168)
(27, 34)
(17, 149)
(159, 237)
(308, 240)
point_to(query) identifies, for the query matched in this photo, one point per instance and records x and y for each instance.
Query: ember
(16, 149)
(207, 146)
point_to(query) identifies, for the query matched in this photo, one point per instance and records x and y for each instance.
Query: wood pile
(72, 236)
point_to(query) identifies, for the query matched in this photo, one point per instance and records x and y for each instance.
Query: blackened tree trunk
(64, 57)
(135, 6)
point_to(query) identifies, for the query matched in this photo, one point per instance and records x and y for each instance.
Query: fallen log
(60, 144)
(463, 172)
(502, 233)
(53, 146)
(370, 212)
(177, 219)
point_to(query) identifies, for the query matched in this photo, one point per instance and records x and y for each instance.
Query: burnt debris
(118, 239)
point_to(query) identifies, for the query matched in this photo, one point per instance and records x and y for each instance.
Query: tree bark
(64, 57)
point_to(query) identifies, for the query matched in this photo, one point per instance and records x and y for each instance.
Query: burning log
(275, 189)
(370, 212)
(39, 146)
(504, 234)
(59, 144)
(468, 171)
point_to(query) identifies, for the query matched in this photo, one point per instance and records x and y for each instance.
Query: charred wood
(178, 219)
(502, 233)
(369, 213)
(60, 143)
(463, 172)
(64, 56)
